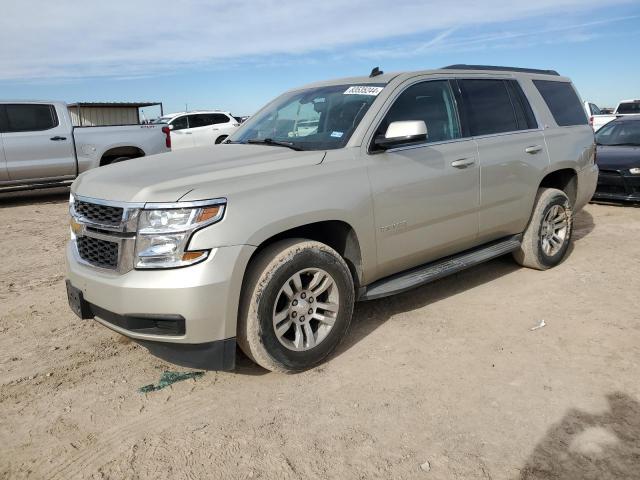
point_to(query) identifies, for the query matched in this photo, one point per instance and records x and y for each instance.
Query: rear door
(208, 127)
(511, 149)
(37, 142)
(425, 196)
(4, 176)
(181, 135)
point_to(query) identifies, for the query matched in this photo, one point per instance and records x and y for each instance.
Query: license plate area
(78, 304)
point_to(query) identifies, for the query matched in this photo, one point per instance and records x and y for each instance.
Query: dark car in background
(618, 158)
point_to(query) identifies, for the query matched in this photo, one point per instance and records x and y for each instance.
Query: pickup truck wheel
(547, 237)
(297, 304)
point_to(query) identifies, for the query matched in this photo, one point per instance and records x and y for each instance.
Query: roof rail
(462, 66)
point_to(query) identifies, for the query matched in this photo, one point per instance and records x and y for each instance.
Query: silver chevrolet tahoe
(336, 192)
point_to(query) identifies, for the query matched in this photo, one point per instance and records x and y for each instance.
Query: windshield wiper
(271, 141)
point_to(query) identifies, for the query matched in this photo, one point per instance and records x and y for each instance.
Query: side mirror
(403, 133)
(170, 127)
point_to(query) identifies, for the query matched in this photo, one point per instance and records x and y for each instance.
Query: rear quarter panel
(93, 142)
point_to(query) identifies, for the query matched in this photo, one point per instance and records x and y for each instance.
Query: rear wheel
(296, 306)
(548, 235)
(221, 139)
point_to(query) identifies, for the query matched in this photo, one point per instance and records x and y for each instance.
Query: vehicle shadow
(585, 446)
(582, 225)
(370, 315)
(29, 197)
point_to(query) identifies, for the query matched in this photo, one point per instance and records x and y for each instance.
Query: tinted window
(563, 102)
(524, 114)
(629, 108)
(594, 109)
(180, 123)
(205, 119)
(431, 102)
(488, 107)
(30, 118)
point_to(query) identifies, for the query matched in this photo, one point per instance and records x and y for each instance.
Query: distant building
(94, 114)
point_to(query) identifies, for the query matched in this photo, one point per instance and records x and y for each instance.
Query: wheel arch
(129, 151)
(565, 179)
(337, 234)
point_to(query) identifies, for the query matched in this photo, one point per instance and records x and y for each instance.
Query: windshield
(619, 133)
(320, 118)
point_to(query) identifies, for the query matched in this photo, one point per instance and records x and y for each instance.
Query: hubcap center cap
(301, 308)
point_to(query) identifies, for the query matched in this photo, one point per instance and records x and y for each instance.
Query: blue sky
(236, 55)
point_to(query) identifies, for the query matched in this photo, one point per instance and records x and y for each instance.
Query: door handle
(58, 138)
(215, 129)
(463, 163)
(188, 133)
(533, 149)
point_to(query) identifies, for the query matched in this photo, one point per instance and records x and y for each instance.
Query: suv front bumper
(183, 314)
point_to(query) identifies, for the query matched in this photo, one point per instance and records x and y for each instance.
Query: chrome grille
(99, 214)
(100, 253)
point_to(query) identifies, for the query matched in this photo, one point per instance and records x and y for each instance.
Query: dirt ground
(444, 382)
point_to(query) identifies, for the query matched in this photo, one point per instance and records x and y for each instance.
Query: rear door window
(488, 107)
(206, 119)
(30, 117)
(563, 102)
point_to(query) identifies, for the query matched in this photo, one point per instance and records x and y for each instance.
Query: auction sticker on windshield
(363, 90)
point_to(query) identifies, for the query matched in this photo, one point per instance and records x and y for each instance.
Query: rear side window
(488, 107)
(524, 114)
(204, 119)
(629, 107)
(563, 102)
(30, 118)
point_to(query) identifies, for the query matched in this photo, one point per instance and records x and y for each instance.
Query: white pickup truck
(40, 147)
(624, 108)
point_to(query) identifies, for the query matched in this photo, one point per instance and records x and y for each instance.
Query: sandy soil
(448, 376)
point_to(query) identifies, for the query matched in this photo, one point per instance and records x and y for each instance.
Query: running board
(415, 277)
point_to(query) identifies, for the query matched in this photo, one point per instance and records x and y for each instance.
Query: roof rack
(462, 66)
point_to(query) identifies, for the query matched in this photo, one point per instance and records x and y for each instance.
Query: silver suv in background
(340, 191)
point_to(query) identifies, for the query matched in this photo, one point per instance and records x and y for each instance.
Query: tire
(548, 235)
(267, 304)
(221, 139)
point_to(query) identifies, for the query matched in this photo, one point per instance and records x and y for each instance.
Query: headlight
(164, 233)
(634, 171)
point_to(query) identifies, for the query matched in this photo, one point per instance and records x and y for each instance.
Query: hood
(170, 176)
(618, 158)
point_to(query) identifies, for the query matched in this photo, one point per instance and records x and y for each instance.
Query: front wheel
(221, 139)
(296, 305)
(548, 235)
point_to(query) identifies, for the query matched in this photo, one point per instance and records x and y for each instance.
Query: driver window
(180, 123)
(432, 102)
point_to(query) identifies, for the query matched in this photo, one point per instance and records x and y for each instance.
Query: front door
(425, 196)
(181, 134)
(37, 143)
